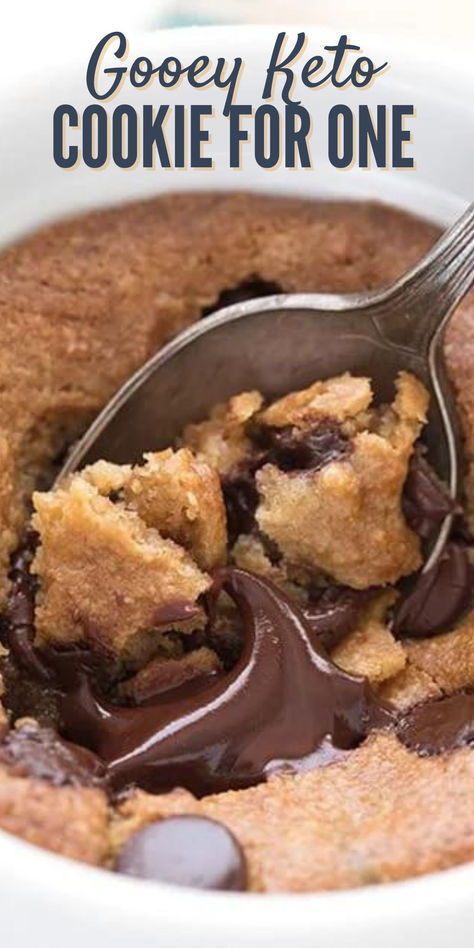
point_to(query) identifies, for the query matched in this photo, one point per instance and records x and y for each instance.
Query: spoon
(284, 342)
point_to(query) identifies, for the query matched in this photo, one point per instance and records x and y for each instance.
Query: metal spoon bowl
(285, 342)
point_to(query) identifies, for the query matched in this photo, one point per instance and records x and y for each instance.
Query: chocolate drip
(439, 726)
(241, 501)
(283, 707)
(281, 703)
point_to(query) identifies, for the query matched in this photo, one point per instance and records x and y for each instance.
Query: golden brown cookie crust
(68, 820)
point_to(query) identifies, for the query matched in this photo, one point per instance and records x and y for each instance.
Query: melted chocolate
(20, 613)
(172, 612)
(333, 612)
(40, 752)
(426, 500)
(186, 850)
(249, 289)
(294, 450)
(241, 501)
(439, 726)
(435, 601)
(283, 707)
(282, 702)
(438, 599)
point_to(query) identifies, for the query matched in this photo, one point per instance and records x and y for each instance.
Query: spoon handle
(423, 299)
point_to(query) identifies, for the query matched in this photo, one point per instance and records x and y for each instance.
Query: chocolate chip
(21, 604)
(20, 611)
(291, 449)
(438, 599)
(435, 601)
(115, 496)
(426, 501)
(39, 752)
(438, 727)
(270, 548)
(241, 501)
(23, 556)
(186, 850)
(249, 289)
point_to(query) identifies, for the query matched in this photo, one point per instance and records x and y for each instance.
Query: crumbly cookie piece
(174, 492)
(413, 671)
(409, 687)
(222, 440)
(448, 659)
(347, 824)
(248, 552)
(181, 497)
(435, 665)
(109, 479)
(339, 398)
(164, 674)
(371, 649)
(346, 518)
(106, 578)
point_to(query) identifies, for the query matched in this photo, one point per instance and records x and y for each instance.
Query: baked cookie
(237, 604)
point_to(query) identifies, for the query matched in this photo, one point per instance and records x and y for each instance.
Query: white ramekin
(44, 899)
